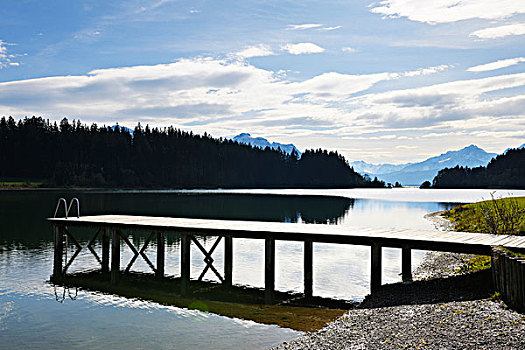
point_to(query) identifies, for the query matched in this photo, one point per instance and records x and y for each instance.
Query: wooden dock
(111, 227)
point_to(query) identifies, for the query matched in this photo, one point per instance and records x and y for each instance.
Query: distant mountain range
(408, 174)
(416, 173)
(262, 143)
(122, 128)
(520, 147)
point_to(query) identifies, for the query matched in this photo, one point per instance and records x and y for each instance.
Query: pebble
(473, 324)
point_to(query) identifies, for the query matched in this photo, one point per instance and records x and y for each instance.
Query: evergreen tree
(74, 154)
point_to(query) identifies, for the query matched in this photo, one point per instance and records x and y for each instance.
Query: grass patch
(20, 183)
(515, 253)
(498, 216)
(476, 263)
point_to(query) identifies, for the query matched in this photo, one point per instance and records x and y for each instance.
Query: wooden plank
(406, 264)
(106, 239)
(58, 238)
(269, 270)
(161, 255)
(228, 261)
(308, 269)
(417, 239)
(376, 268)
(185, 264)
(115, 256)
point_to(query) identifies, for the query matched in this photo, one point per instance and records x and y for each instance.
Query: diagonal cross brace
(89, 246)
(79, 248)
(140, 252)
(207, 258)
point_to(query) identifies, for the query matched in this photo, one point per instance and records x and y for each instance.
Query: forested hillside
(504, 171)
(74, 154)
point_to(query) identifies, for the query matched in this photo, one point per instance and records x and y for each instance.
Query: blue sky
(387, 81)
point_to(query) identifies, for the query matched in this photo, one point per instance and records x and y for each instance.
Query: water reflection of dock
(111, 228)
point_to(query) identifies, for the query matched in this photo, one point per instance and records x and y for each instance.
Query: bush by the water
(505, 216)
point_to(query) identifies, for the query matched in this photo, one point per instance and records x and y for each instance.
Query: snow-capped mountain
(416, 173)
(121, 128)
(262, 143)
(520, 147)
(368, 168)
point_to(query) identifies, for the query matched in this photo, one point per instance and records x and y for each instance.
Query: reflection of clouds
(341, 270)
(6, 310)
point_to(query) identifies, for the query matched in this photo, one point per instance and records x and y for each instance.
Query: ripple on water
(30, 316)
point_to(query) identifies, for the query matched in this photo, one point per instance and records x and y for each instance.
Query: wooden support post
(161, 255)
(406, 265)
(185, 264)
(269, 270)
(106, 239)
(115, 256)
(308, 269)
(58, 237)
(375, 273)
(228, 261)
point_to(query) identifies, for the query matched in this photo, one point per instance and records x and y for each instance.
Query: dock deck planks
(376, 238)
(466, 242)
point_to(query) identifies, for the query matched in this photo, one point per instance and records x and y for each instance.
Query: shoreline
(411, 321)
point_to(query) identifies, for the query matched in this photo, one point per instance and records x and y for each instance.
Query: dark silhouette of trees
(504, 171)
(425, 184)
(74, 154)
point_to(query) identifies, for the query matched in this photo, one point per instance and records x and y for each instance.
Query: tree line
(75, 154)
(504, 171)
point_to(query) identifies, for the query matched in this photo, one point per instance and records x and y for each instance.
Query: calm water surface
(33, 314)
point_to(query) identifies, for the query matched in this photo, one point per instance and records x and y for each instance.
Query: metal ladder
(67, 208)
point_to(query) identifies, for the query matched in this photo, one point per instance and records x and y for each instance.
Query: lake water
(33, 314)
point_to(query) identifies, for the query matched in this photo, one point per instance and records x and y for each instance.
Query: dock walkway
(111, 226)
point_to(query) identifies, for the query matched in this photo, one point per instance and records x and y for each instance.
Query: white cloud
(459, 105)
(501, 31)
(302, 48)
(161, 2)
(446, 11)
(303, 26)
(255, 51)
(425, 71)
(496, 65)
(330, 28)
(348, 49)
(224, 97)
(6, 59)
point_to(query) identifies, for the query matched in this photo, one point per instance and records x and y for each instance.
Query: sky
(386, 82)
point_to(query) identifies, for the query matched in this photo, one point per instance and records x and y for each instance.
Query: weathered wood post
(228, 261)
(308, 269)
(59, 251)
(376, 268)
(161, 255)
(185, 264)
(115, 256)
(494, 268)
(406, 264)
(269, 269)
(522, 274)
(106, 239)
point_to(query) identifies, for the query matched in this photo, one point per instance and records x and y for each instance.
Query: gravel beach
(454, 312)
